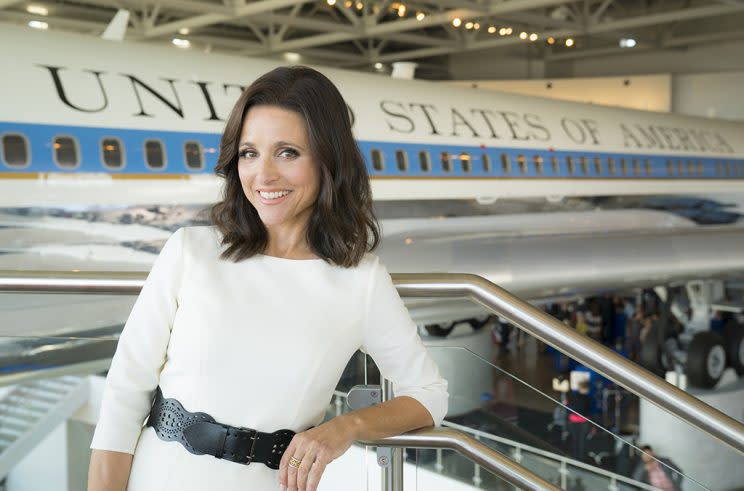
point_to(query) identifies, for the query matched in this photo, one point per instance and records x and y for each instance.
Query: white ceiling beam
(407, 25)
(677, 42)
(8, 3)
(664, 17)
(330, 27)
(215, 18)
(72, 24)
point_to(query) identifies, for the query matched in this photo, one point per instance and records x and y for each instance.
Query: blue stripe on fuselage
(522, 162)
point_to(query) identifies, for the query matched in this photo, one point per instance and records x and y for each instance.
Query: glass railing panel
(533, 427)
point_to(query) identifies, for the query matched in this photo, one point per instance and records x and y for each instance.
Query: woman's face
(278, 174)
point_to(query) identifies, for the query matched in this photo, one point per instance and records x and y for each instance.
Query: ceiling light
(551, 40)
(402, 10)
(420, 15)
(37, 24)
(509, 31)
(331, 2)
(491, 29)
(469, 25)
(476, 26)
(359, 5)
(456, 22)
(184, 31)
(522, 35)
(569, 42)
(502, 31)
(378, 65)
(37, 10)
(181, 43)
(533, 37)
(348, 4)
(627, 43)
(292, 57)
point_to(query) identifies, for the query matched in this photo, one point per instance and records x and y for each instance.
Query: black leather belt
(202, 435)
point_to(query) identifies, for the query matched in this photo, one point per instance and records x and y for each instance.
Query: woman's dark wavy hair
(342, 226)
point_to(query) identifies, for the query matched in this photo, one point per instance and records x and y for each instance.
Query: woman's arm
(109, 470)
(393, 417)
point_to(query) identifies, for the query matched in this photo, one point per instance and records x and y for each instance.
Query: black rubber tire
(437, 330)
(704, 344)
(650, 355)
(733, 339)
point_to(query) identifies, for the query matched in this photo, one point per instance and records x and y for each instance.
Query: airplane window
(378, 161)
(486, 163)
(15, 150)
(570, 165)
(446, 162)
(670, 167)
(65, 151)
(194, 155)
(584, 165)
(647, 163)
(424, 161)
(505, 163)
(699, 168)
(680, 168)
(719, 168)
(624, 166)
(636, 167)
(611, 166)
(728, 169)
(154, 154)
(597, 165)
(522, 162)
(401, 160)
(538, 160)
(112, 153)
(554, 164)
(465, 162)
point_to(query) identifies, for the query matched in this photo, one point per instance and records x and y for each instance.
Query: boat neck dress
(260, 344)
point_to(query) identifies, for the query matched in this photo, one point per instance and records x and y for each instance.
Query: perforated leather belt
(202, 435)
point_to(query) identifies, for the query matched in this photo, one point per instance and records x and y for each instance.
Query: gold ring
(293, 462)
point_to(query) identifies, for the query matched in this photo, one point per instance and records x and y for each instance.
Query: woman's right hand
(109, 470)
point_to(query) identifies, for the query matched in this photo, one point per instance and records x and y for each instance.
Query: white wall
(716, 95)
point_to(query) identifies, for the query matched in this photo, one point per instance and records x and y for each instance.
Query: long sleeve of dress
(391, 338)
(140, 353)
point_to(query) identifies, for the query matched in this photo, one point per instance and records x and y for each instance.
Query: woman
(252, 321)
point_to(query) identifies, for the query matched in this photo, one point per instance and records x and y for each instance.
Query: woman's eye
(289, 153)
(246, 153)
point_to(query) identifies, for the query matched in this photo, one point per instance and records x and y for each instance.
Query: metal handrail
(428, 285)
(474, 434)
(471, 448)
(583, 349)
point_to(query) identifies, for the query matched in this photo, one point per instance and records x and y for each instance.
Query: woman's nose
(267, 170)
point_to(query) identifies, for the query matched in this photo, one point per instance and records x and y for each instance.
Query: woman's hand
(316, 448)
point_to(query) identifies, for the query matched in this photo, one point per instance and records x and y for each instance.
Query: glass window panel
(15, 150)
(112, 153)
(401, 160)
(424, 161)
(154, 154)
(65, 151)
(378, 162)
(194, 156)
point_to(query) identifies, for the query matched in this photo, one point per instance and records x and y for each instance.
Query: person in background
(659, 472)
(578, 425)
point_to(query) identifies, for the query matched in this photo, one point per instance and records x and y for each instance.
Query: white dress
(260, 344)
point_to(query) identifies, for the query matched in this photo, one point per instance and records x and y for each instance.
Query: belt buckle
(253, 437)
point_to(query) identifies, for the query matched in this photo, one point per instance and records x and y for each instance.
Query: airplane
(96, 134)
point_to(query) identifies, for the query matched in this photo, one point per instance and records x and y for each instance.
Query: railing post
(392, 475)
